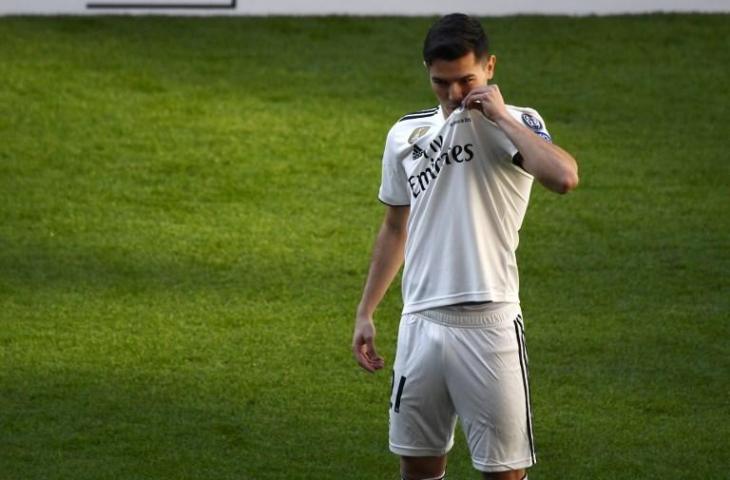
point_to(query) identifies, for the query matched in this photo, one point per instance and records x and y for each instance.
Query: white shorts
(467, 365)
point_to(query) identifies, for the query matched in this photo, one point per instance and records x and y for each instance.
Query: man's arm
(386, 261)
(553, 167)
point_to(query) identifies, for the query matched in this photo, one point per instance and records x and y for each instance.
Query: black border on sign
(159, 6)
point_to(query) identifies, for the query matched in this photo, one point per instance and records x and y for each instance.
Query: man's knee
(423, 468)
(510, 475)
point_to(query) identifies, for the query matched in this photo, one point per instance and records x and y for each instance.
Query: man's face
(451, 80)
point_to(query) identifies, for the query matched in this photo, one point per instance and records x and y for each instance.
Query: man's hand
(363, 345)
(489, 100)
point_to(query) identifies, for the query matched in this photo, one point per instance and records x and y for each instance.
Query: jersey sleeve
(394, 184)
(532, 120)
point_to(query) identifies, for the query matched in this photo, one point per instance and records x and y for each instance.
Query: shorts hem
(503, 467)
(418, 451)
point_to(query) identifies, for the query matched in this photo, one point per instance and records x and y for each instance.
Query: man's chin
(449, 109)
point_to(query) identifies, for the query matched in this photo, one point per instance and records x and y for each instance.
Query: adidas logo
(417, 152)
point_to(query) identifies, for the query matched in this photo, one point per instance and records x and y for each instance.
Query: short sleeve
(394, 184)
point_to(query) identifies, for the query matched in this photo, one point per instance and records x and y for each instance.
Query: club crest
(417, 133)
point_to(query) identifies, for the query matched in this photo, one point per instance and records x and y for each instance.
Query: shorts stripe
(520, 333)
(401, 384)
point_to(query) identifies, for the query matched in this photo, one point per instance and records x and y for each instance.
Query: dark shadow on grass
(102, 424)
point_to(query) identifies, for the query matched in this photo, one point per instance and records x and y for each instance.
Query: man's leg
(422, 417)
(423, 468)
(511, 475)
(490, 390)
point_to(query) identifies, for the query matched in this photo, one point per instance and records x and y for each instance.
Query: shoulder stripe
(425, 110)
(412, 117)
(420, 114)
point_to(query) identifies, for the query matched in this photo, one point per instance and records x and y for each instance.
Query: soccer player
(456, 181)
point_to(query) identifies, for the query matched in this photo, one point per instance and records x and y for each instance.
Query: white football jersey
(467, 201)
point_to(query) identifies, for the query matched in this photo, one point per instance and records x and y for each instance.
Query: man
(456, 181)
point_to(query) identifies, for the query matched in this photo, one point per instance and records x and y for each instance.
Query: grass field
(187, 208)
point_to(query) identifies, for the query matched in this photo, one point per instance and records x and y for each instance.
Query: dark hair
(454, 36)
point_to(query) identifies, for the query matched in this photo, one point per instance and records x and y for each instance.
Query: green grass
(187, 208)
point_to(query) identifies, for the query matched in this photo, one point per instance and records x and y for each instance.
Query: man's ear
(489, 64)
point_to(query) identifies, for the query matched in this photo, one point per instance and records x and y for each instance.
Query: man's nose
(455, 93)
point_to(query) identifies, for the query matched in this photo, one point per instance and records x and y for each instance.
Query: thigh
(422, 416)
(490, 390)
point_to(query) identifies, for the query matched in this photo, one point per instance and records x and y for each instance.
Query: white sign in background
(161, 4)
(345, 7)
